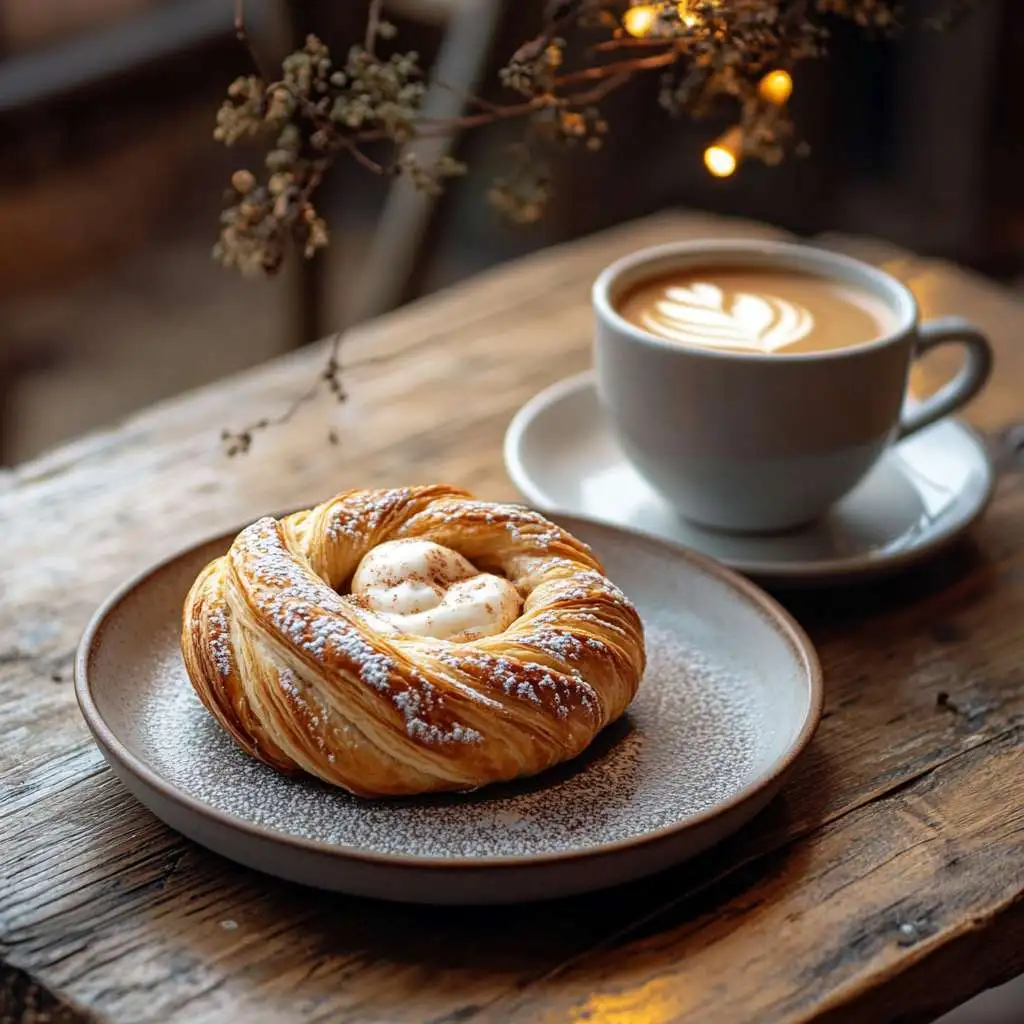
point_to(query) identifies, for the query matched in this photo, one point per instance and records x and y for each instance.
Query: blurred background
(112, 184)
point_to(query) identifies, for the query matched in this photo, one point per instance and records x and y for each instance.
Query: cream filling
(423, 588)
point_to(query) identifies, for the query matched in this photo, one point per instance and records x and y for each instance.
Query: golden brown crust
(301, 679)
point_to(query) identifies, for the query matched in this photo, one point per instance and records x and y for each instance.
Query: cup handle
(973, 375)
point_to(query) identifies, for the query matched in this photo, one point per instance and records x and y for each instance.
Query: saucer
(562, 455)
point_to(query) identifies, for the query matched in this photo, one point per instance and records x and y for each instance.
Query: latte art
(767, 311)
(703, 314)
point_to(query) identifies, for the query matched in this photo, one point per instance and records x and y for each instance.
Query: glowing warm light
(719, 161)
(688, 17)
(638, 21)
(722, 157)
(776, 87)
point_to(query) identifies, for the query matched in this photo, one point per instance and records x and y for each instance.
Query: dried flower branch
(367, 106)
(321, 108)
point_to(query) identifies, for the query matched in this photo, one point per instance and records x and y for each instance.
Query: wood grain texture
(886, 882)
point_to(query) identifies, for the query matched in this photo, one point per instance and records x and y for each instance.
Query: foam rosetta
(703, 314)
(755, 309)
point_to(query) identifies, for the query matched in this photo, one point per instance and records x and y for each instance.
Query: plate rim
(785, 624)
(854, 567)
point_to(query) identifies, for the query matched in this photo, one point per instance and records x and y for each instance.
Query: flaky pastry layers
(303, 679)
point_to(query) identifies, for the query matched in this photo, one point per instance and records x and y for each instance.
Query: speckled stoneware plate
(731, 697)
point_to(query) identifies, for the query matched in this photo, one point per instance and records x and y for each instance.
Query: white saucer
(562, 455)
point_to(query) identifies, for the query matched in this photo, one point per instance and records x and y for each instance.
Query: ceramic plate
(924, 492)
(731, 696)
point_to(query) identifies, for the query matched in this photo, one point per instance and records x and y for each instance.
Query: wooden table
(885, 884)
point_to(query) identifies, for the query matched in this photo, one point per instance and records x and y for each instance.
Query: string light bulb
(639, 20)
(722, 157)
(719, 161)
(686, 15)
(776, 87)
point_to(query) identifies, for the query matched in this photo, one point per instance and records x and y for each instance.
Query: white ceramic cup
(761, 443)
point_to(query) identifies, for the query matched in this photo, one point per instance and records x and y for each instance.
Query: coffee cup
(755, 383)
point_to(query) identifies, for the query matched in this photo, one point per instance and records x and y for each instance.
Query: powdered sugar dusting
(525, 681)
(521, 524)
(220, 641)
(307, 702)
(584, 585)
(559, 644)
(362, 514)
(690, 741)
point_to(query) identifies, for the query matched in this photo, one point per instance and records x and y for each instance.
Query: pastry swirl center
(423, 588)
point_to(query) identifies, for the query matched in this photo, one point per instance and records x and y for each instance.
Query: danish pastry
(404, 641)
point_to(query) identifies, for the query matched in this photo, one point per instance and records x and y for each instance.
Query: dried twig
(373, 26)
(238, 442)
(366, 162)
(243, 37)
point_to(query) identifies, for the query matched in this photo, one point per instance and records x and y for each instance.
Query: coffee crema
(750, 309)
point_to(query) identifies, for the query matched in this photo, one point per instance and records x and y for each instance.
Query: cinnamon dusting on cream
(423, 588)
